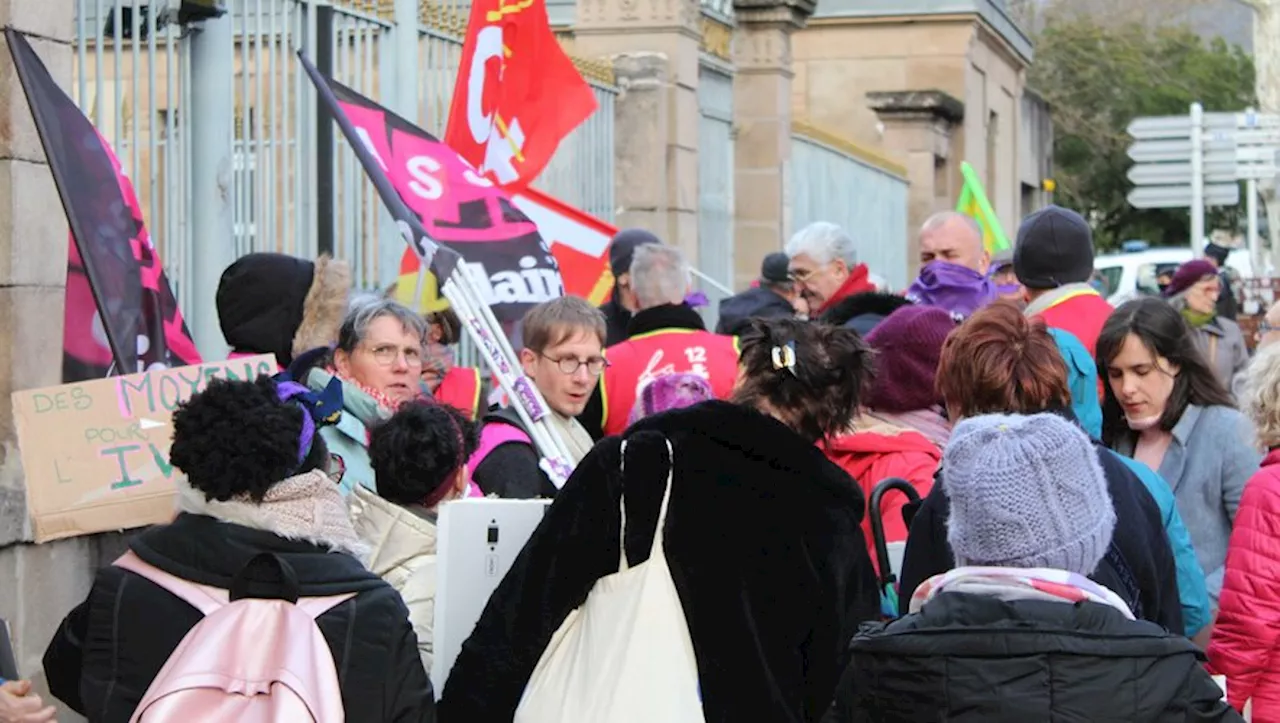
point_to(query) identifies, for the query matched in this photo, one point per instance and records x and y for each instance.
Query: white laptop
(477, 540)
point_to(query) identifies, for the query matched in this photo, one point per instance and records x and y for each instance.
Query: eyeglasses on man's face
(386, 355)
(569, 364)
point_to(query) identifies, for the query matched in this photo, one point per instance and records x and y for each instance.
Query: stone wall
(840, 60)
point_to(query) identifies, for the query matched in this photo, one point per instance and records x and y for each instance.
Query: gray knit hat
(1026, 492)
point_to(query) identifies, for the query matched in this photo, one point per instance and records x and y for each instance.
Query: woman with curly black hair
(255, 482)
(763, 538)
(419, 457)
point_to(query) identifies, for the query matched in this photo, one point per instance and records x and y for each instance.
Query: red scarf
(857, 283)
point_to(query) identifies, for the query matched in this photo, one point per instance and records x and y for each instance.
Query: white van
(1127, 275)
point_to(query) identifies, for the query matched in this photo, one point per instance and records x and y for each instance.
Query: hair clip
(322, 408)
(784, 357)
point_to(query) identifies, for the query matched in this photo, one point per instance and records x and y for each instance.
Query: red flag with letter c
(517, 94)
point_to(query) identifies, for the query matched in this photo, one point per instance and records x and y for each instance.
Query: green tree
(1098, 76)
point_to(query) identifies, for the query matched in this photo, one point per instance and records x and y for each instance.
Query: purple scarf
(958, 289)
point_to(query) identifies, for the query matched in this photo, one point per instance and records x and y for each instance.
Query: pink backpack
(250, 660)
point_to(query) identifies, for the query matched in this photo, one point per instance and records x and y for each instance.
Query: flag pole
(462, 294)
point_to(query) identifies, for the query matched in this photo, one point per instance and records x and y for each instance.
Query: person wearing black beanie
(622, 304)
(1053, 260)
(278, 304)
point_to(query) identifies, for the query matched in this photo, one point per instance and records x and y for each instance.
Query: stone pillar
(762, 113)
(38, 584)
(918, 126)
(654, 48)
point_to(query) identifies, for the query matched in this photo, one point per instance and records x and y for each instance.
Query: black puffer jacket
(111, 647)
(1139, 565)
(976, 659)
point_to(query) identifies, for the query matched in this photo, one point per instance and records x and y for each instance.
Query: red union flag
(517, 93)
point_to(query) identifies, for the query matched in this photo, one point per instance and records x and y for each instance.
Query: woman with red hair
(1001, 362)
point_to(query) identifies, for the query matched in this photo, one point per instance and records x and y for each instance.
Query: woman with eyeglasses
(1194, 291)
(563, 355)
(378, 358)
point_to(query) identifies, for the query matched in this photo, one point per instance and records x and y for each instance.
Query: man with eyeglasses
(666, 336)
(824, 264)
(563, 356)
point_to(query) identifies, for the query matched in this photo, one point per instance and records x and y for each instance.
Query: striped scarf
(1014, 583)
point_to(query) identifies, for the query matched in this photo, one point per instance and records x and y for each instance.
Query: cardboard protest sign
(96, 453)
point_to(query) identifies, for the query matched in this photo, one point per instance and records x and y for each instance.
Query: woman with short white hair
(1246, 637)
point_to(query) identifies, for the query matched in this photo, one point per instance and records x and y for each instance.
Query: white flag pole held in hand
(463, 295)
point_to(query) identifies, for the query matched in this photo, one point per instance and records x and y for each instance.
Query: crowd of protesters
(1087, 499)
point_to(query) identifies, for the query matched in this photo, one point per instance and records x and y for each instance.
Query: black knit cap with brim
(1054, 248)
(623, 248)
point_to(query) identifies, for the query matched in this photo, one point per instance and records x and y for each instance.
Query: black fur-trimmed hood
(868, 304)
(766, 454)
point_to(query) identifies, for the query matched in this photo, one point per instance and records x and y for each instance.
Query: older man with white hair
(666, 336)
(824, 262)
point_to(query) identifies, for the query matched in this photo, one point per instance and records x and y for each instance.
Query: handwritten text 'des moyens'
(96, 453)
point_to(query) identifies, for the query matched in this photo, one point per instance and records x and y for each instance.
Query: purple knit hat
(670, 391)
(908, 345)
(958, 289)
(1188, 274)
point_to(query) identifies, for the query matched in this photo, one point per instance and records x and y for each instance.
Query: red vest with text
(460, 389)
(636, 361)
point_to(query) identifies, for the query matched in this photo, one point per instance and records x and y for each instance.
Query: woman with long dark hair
(1165, 407)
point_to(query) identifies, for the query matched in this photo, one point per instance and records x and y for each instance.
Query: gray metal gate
(133, 75)
(715, 183)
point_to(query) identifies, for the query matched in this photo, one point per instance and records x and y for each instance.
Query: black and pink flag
(121, 316)
(447, 212)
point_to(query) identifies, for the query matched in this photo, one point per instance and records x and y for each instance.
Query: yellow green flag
(973, 202)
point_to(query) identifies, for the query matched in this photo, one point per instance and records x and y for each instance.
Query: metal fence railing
(273, 204)
(716, 248)
(831, 179)
(132, 74)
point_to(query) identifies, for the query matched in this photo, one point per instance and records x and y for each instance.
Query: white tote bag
(625, 656)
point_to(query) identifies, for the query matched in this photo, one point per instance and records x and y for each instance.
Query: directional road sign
(1179, 150)
(1215, 194)
(1172, 174)
(1177, 126)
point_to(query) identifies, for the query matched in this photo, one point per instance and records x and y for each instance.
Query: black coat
(616, 318)
(111, 647)
(1228, 307)
(862, 312)
(757, 303)
(1139, 566)
(975, 659)
(765, 549)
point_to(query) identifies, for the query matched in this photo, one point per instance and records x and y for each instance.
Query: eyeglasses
(386, 355)
(569, 364)
(800, 275)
